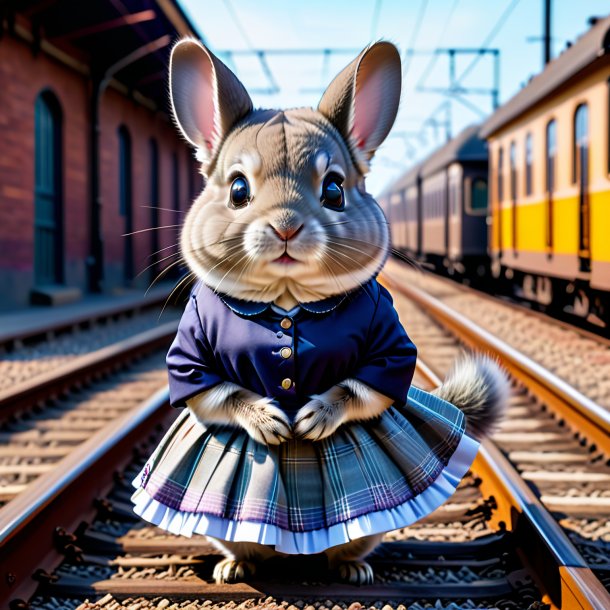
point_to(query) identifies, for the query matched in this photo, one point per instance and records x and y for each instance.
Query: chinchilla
(285, 218)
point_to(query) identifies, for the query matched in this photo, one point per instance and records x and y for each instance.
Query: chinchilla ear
(362, 101)
(207, 98)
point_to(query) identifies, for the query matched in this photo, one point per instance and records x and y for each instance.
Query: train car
(401, 203)
(550, 169)
(438, 208)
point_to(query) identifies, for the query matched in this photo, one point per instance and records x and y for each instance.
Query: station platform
(36, 320)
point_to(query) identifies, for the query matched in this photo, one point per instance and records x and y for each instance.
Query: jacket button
(286, 323)
(287, 383)
(286, 352)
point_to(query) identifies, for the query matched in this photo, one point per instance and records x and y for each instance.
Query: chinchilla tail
(480, 389)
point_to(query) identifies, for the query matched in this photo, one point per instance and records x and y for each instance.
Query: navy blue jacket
(357, 335)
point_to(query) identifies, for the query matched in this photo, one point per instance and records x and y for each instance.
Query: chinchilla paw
(230, 570)
(318, 419)
(266, 423)
(356, 572)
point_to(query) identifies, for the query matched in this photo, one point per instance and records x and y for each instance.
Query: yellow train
(548, 186)
(549, 176)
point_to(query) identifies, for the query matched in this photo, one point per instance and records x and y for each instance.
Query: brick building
(88, 152)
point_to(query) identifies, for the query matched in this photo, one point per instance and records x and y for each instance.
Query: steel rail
(51, 384)
(63, 496)
(561, 570)
(581, 413)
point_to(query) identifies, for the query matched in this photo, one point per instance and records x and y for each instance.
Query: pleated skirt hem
(318, 540)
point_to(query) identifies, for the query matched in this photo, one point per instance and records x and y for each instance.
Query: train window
(513, 190)
(478, 196)
(500, 176)
(125, 200)
(581, 140)
(513, 171)
(529, 153)
(551, 151)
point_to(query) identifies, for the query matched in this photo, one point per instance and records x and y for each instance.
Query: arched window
(154, 205)
(550, 154)
(529, 156)
(48, 195)
(125, 200)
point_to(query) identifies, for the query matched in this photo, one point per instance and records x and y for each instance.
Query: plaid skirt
(303, 496)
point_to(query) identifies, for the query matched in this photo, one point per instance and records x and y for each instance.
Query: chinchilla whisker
(151, 229)
(354, 222)
(230, 256)
(330, 253)
(334, 277)
(231, 269)
(162, 273)
(337, 243)
(162, 249)
(158, 262)
(180, 283)
(407, 259)
(156, 207)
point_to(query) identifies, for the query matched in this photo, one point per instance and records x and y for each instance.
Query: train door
(125, 201)
(581, 176)
(48, 199)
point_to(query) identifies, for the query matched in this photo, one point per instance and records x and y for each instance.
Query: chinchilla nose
(286, 232)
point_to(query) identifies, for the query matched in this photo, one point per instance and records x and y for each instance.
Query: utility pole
(546, 35)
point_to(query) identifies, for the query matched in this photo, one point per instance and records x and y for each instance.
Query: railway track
(554, 437)
(45, 418)
(499, 542)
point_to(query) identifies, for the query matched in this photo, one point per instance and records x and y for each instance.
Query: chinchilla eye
(240, 192)
(332, 193)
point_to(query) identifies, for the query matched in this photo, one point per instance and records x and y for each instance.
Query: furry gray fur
(480, 389)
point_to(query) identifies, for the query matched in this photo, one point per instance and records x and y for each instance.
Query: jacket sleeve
(389, 361)
(190, 361)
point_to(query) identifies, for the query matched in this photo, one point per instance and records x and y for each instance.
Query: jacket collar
(253, 308)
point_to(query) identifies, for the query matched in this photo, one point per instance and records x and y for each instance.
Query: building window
(175, 185)
(529, 155)
(581, 141)
(125, 201)
(154, 205)
(48, 187)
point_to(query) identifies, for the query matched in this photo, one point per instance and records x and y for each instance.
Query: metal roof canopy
(590, 47)
(128, 41)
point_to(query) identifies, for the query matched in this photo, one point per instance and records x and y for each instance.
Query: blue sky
(344, 24)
